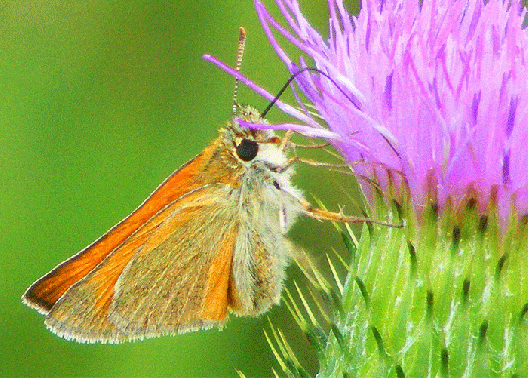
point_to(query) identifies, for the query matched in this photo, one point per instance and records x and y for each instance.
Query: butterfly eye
(247, 149)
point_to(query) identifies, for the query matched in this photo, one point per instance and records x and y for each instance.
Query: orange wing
(45, 292)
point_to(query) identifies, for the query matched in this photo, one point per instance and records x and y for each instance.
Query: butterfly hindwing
(155, 282)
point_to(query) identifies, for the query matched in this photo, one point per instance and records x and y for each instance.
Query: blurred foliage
(100, 101)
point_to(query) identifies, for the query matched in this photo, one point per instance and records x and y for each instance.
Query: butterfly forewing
(43, 294)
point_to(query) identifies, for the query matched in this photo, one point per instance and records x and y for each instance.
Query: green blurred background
(99, 102)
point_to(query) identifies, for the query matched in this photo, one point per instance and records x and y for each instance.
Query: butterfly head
(253, 146)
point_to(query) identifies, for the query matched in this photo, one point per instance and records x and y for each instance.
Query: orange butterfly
(210, 240)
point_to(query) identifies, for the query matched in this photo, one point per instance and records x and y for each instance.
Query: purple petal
(261, 91)
(307, 131)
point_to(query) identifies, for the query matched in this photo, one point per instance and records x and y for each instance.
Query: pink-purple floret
(436, 92)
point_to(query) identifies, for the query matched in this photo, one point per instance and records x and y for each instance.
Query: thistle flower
(430, 101)
(436, 91)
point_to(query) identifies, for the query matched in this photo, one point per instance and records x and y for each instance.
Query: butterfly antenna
(293, 76)
(240, 54)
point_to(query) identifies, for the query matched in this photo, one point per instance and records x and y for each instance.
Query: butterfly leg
(314, 163)
(307, 146)
(321, 214)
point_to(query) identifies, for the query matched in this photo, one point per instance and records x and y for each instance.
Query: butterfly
(209, 241)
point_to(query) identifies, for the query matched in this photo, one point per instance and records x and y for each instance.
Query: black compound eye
(247, 149)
